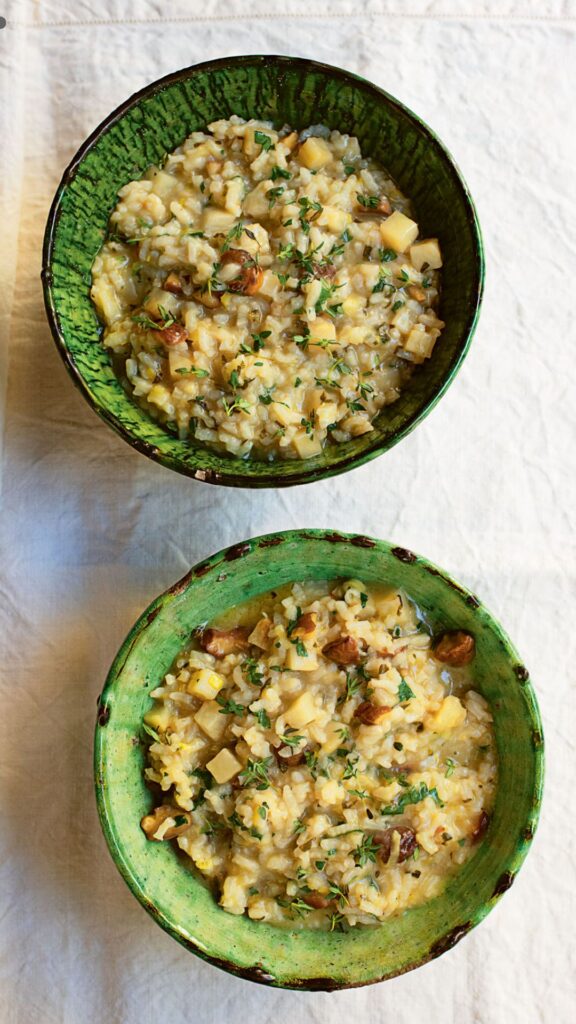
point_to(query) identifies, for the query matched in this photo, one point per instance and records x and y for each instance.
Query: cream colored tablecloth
(91, 531)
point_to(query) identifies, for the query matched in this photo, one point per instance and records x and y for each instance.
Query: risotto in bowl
(262, 294)
(318, 760)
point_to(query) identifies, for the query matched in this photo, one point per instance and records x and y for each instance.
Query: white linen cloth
(92, 531)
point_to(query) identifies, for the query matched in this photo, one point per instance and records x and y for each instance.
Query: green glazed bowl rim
(229, 477)
(223, 559)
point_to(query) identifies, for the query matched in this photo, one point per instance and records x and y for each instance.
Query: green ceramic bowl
(179, 900)
(283, 89)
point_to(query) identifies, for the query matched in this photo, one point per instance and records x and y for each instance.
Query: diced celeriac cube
(205, 684)
(158, 717)
(322, 329)
(301, 662)
(426, 254)
(158, 297)
(164, 184)
(259, 635)
(402, 319)
(314, 153)
(301, 711)
(306, 446)
(106, 299)
(354, 335)
(215, 220)
(333, 737)
(450, 715)
(210, 720)
(282, 414)
(334, 219)
(419, 343)
(352, 304)
(398, 231)
(180, 364)
(224, 766)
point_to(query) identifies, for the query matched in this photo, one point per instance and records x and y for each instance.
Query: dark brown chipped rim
(223, 558)
(230, 477)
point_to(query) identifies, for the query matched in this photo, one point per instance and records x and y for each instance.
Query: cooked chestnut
(344, 651)
(408, 842)
(455, 648)
(220, 642)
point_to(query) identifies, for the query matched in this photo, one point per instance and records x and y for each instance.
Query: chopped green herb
(263, 718)
(298, 827)
(396, 306)
(151, 732)
(239, 403)
(366, 851)
(274, 193)
(229, 707)
(252, 672)
(310, 209)
(414, 795)
(338, 893)
(266, 397)
(292, 741)
(319, 865)
(232, 236)
(450, 766)
(398, 746)
(369, 202)
(404, 692)
(279, 172)
(386, 255)
(263, 140)
(186, 371)
(256, 773)
(348, 169)
(195, 234)
(311, 762)
(363, 599)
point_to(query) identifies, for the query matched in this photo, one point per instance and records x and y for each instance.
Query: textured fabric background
(91, 531)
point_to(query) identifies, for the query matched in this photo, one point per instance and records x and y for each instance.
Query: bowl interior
(285, 90)
(179, 900)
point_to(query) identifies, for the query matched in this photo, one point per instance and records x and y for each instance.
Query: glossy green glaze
(284, 89)
(179, 900)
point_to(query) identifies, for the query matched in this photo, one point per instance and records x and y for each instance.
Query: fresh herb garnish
(151, 732)
(404, 692)
(256, 773)
(310, 209)
(274, 193)
(229, 707)
(239, 403)
(252, 672)
(292, 741)
(414, 795)
(366, 851)
(232, 236)
(279, 172)
(369, 202)
(263, 718)
(185, 371)
(263, 140)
